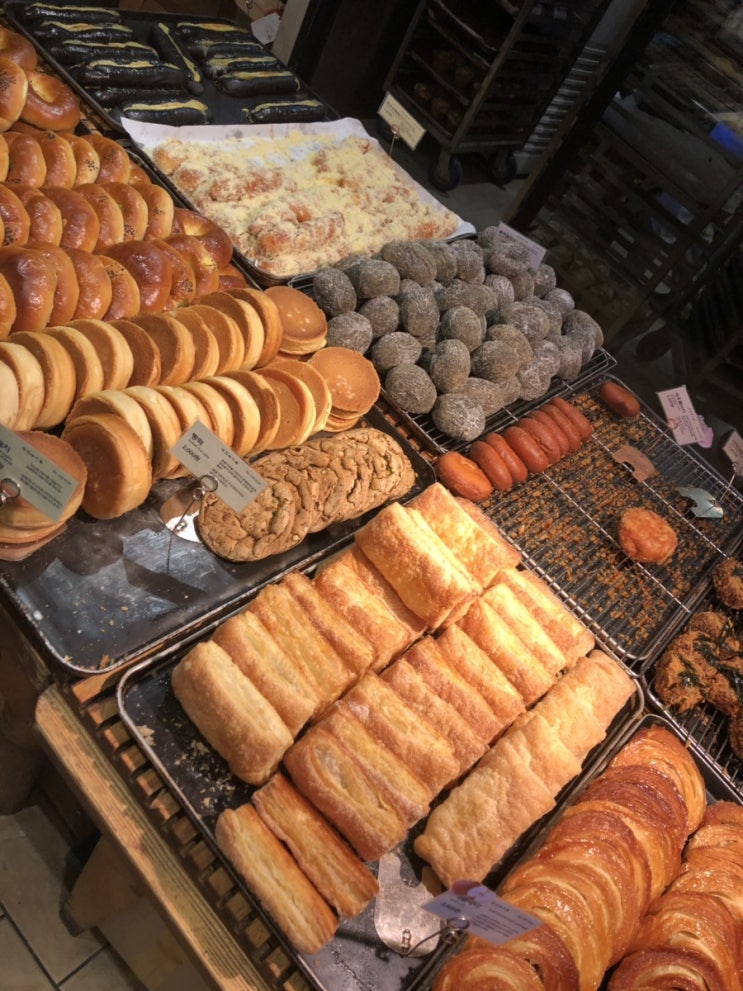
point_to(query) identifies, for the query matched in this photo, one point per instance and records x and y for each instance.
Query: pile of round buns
(29, 94)
(457, 330)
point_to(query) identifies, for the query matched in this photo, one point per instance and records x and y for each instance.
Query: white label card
(480, 911)
(203, 453)
(41, 482)
(733, 447)
(536, 251)
(683, 420)
(403, 124)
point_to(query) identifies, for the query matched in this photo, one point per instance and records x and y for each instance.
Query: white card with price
(683, 420)
(203, 453)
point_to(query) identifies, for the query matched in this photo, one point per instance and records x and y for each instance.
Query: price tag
(480, 911)
(203, 453)
(683, 419)
(403, 124)
(733, 447)
(536, 251)
(40, 481)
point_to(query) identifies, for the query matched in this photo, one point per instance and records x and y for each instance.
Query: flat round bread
(314, 381)
(59, 378)
(30, 385)
(120, 403)
(245, 415)
(269, 411)
(270, 316)
(119, 471)
(220, 413)
(298, 409)
(188, 408)
(10, 396)
(88, 367)
(248, 322)
(113, 350)
(165, 427)
(147, 361)
(175, 344)
(352, 379)
(304, 325)
(206, 346)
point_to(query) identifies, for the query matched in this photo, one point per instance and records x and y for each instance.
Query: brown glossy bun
(160, 208)
(109, 214)
(45, 217)
(463, 477)
(13, 92)
(81, 224)
(20, 522)
(86, 158)
(61, 165)
(152, 271)
(33, 280)
(94, 298)
(66, 290)
(18, 49)
(126, 300)
(132, 205)
(215, 240)
(119, 470)
(26, 162)
(50, 103)
(304, 325)
(15, 219)
(645, 536)
(115, 162)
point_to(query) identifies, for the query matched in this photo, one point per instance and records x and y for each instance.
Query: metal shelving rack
(479, 75)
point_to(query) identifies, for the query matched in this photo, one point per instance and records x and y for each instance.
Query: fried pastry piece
(727, 579)
(694, 668)
(646, 537)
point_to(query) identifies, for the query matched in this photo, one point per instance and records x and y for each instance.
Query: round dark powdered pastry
(419, 313)
(727, 579)
(458, 416)
(496, 361)
(383, 313)
(646, 537)
(350, 330)
(412, 261)
(334, 292)
(449, 365)
(374, 277)
(393, 349)
(410, 388)
(460, 323)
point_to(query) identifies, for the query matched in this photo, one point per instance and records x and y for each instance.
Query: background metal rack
(479, 75)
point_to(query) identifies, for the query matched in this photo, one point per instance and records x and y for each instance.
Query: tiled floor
(37, 952)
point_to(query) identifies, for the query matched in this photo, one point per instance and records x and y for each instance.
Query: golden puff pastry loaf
(428, 660)
(354, 650)
(340, 876)
(572, 638)
(336, 783)
(502, 644)
(479, 548)
(290, 627)
(236, 719)
(480, 819)
(417, 563)
(275, 674)
(527, 628)
(410, 735)
(412, 688)
(276, 879)
(468, 660)
(369, 603)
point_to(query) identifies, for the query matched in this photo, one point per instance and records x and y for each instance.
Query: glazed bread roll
(340, 876)
(275, 878)
(230, 712)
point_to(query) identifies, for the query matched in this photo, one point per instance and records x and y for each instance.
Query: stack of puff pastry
(359, 696)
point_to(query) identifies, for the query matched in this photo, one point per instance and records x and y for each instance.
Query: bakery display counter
(165, 67)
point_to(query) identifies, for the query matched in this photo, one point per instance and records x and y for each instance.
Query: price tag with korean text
(204, 454)
(683, 420)
(478, 910)
(733, 447)
(403, 124)
(40, 481)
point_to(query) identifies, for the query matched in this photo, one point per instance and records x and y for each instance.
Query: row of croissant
(419, 661)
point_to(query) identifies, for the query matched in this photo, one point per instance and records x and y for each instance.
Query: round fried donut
(18, 49)
(13, 92)
(109, 214)
(463, 477)
(44, 215)
(151, 268)
(26, 162)
(116, 166)
(125, 294)
(81, 224)
(160, 209)
(95, 294)
(33, 279)
(67, 289)
(16, 221)
(133, 208)
(50, 103)
(216, 241)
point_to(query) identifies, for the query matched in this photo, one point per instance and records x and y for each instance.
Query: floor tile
(20, 971)
(32, 856)
(105, 972)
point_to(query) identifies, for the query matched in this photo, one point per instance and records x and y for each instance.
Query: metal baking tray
(705, 728)
(356, 959)
(224, 109)
(718, 789)
(106, 593)
(565, 520)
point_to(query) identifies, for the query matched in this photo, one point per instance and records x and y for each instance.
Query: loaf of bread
(230, 712)
(342, 879)
(275, 878)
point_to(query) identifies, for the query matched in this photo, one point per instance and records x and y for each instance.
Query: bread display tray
(565, 523)
(146, 136)
(106, 593)
(223, 108)
(718, 790)
(356, 959)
